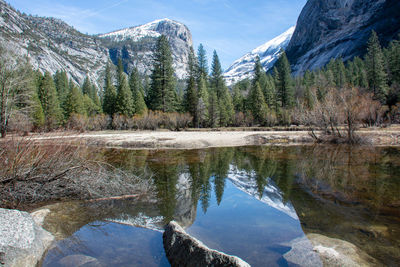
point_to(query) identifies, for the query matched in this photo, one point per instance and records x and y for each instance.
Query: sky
(231, 27)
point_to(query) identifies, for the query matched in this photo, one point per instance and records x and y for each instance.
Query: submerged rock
(319, 250)
(79, 260)
(337, 252)
(184, 250)
(22, 241)
(302, 253)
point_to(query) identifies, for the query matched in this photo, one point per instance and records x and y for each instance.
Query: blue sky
(231, 27)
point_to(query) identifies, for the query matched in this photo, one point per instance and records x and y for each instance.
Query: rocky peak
(135, 45)
(268, 53)
(340, 28)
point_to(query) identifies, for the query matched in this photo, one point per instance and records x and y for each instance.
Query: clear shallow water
(249, 201)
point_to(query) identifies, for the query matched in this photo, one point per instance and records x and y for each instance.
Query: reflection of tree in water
(221, 160)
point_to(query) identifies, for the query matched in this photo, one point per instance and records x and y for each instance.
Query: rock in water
(184, 250)
(22, 241)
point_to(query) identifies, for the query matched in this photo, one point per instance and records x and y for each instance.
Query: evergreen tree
(191, 95)
(217, 85)
(110, 93)
(91, 108)
(124, 101)
(87, 87)
(238, 101)
(260, 76)
(284, 82)
(393, 59)
(62, 85)
(257, 104)
(202, 62)
(269, 92)
(213, 109)
(203, 103)
(162, 95)
(377, 77)
(74, 103)
(137, 92)
(48, 98)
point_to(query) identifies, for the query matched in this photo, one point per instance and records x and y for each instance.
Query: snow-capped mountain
(268, 53)
(272, 195)
(52, 45)
(135, 45)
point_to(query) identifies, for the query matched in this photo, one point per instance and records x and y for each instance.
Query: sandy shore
(205, 139)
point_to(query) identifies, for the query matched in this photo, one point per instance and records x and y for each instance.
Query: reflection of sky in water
(111, 244)
(241, 225)
(244, 226)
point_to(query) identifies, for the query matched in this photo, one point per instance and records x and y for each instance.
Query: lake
(252, 202)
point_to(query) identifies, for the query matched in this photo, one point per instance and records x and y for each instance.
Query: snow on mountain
(268, 53)
(272, 196)
(136, 33)
(135, 45)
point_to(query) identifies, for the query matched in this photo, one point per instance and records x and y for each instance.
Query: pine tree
(257, 104)
(284, 82)
(137, 92)
(213, 109)
(87, 87)
(110, 93)
(124, 101)
(74, 103)
(162, 95)
(260, 76)
(48, 98)
(217, 85)
(393, 58)
(377, 77)
(62, 85)
(202, 62)
(191, 94)
(203, 103)
(238, 101)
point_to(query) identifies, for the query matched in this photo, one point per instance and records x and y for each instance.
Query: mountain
(268, 53)
(53, 45)
(135, 45)
(272, 195)
(340, 28)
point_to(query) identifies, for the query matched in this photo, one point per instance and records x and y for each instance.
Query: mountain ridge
(51, 44)
(268, 52)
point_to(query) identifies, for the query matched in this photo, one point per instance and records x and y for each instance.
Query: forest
(335, 99)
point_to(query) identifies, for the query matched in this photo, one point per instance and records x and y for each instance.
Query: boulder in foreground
(184, 250)
(22, 241)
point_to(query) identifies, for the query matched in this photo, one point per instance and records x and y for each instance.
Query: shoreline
(200, 139)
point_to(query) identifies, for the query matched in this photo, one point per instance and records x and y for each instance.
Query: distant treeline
(35, 101)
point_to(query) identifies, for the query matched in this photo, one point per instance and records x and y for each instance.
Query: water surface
(247, 201)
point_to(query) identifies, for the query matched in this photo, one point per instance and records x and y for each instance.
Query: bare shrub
(154, 120)
(34, 172)
(339, 114)
(20, 123)
(98, 122)
(122, 122)
(77, 122)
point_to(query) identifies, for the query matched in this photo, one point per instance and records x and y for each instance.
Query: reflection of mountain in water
(185, 211)
(272, 195)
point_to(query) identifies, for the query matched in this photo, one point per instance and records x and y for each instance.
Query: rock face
(22, 241)
(268, 53)
(53, 45)
(135, 45)
(184, 250)
(340, 28)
